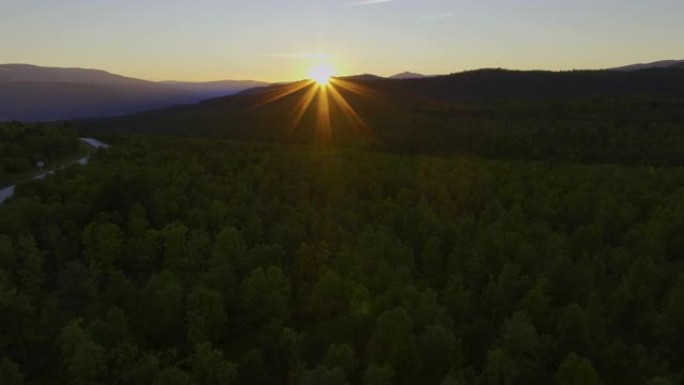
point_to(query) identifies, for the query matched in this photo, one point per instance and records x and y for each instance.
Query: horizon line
(166, 80)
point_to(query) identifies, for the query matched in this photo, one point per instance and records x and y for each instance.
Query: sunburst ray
(302, 106)
(325, 96)
(356, 88)
(323, 121)
(281, 92)
(348, 111)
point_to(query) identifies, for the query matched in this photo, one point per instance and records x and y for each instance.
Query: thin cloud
(368, 2)
(438, 16)
(300, 55)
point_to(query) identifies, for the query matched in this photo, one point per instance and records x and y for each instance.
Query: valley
(8, 192)
(379, 231)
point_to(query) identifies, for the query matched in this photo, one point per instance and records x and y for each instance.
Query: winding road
(8, 192)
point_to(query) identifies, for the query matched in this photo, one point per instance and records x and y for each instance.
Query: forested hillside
(23, 146)
(200, 261)
(582, 116)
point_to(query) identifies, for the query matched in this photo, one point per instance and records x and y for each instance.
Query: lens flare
(321, 96)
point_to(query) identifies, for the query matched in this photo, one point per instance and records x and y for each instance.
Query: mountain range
(408, 75)
(275, 113)
(34, 93)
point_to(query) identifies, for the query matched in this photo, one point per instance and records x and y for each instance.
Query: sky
(279, 40)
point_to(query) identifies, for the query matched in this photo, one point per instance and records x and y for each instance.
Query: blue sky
(282, 39)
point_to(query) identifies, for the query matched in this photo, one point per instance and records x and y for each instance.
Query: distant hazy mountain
(363, 77)
(33, 93)
(32, 73)
(407, 75)
(207, 90)
(657, 64)
(401, 76)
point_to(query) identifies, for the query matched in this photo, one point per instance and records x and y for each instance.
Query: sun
(321, 74)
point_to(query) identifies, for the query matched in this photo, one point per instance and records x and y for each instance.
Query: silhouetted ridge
(363, 77)
(586, 116)
(498, 84)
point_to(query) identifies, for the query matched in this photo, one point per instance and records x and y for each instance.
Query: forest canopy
(196, 261)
